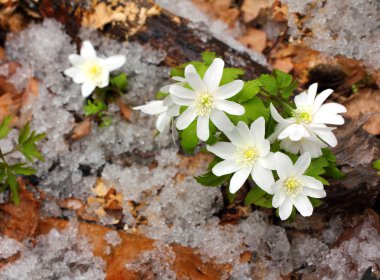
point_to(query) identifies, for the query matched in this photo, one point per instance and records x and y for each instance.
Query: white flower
(92, 71)
(207, 100)
(248, 153)
(165, 109)
(293, 188)
(309, 122)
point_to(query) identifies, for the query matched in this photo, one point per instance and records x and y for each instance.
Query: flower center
(93, 71)
(302, 115)
(247, 155)
(204, 104)
(293, 186)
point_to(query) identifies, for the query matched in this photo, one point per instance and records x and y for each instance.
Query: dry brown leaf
(19, 222)
(284, 64)
(81, 130)
(187, 265)
(255, 39)
(365, 101)
(252, 8)
(125, 110)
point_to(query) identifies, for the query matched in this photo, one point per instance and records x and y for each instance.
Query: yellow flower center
(204, 104)
(93, 71)
(302, 115)
(247, 155)
(293, 186)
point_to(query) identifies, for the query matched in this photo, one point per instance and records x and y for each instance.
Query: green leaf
(208, 57)
(4, 127)
(189, 139)
(177, 71)
(24, 133)
(254, 108)
(120, 81)
(328, 155)
(288, 91)
(334, 172)
(12, 183)
(209, 179)
(283, 79)
(317, 167)
(315, 202)
(21, 169)
(250, 89)
(269, 83)
(106, 122)
(376, 164)
(94, 108)
(230, 74)
(161, 95)
(29, 148)
(264, 202)
(254, 195)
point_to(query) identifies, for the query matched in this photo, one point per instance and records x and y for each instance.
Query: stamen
(247, 155)
(302, 115)
(293, 186)
(204, 104)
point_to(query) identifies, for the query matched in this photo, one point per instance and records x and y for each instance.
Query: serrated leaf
(209, 179)
(328, 155)
(288, 91)
(208, 57)
(334, 172)
(24, 133)
(317, 167)
(120, 81)
(283, 79)
(230, 74)
(106, 122)
(161, 95)
(264, 202)
(13, 186)
(5, 127)
(269, 83)
(189, 139)
(94, 108)
(250, 89)
(254, 108)
(315, 202)
(254, 195)
(177, 71)
(21, 169)
(376, 164)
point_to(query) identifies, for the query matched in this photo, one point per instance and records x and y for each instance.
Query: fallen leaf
(255, 39)
(252, 8)
(284, 64)
(81, 130)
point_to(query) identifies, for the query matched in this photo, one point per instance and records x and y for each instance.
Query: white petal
(225, 167)
(311, 93)
(214, 74)
(268, 161)
(114, 62)
(239, 178)
(229, 107)
(182, 92)
(105, 75)
(276, 116)
(290, 146)
(203, 131)
(181, 101)
(278, 198)
(263, 178)
(303, 205)
(229, 90)
(87, 89)
(76, 60)
(72, 72)
(245, 133)
(173, 110)
(312, 146)
(314, 193)
(264, 148)
(224, 150)
(328, 114)
(302, 164)
(311, 182)
(295, 132)
(163, 123)
(87, 50)
(285, 209)
(284, 164)
(152, 107)
(321, 98)
(328, 137)
(194, 80)
(258, 130)
(186, 118)
(165, 89)
(235, 137)
(301, 100)
(221, 121)
(277, 131)
(179, 79)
